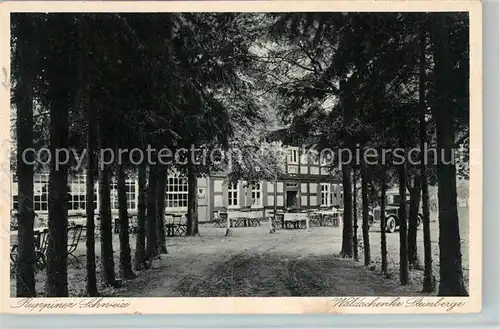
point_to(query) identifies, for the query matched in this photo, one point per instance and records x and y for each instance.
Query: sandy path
(253, 262)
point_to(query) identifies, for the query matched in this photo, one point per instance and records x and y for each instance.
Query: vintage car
(391, 216)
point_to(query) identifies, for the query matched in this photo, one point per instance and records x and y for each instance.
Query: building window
(41, 187)
(15, 202)
(77, 193)
(131, 193)
(293, 156)
(95, 197)
(257, 195)
(77, 202)
(176, 192)
(114, 195)
(80, 180)
(326, 195)
(232, 195)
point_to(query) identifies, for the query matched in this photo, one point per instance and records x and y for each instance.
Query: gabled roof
(290, 138)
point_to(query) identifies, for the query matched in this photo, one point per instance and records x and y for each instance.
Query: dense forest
(348, 80)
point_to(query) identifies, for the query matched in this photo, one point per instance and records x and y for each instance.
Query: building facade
(306, 184)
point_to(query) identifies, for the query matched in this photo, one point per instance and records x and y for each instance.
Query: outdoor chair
(220, 219)
(302, 223)
(180, 227)
(256, 221)
(74, 235)
(169, 225)
(276, 222)
(41, 241)
(117, 225)
(336, 220)
(97, 227)
(223, 218)
(237, 222)
(281, 218)
(289, 224)
(132, 228)
(13, 221)
(314, 219)
(13, 254)
(328, 220)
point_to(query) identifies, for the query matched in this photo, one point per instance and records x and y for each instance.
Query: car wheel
(419, 221)
(390, 226)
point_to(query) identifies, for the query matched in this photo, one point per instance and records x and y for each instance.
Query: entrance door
(291, 199)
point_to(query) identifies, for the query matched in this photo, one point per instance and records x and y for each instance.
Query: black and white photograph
(240, 154)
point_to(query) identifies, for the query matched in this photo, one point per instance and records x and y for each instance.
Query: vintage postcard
(285, 157)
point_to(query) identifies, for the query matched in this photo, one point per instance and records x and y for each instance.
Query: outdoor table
(280, 218)
(117, 223)
(296, 220)
(334, 212)
(243, 221)
(170, 229)
(220, 219)
(13, 234)
(175, 225)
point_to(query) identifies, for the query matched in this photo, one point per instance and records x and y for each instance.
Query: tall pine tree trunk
(140, 243)
(160, 208)
(366, 225)
(90, 225)
(450, 254)
(403, 238)
(23, 96)
(57, 268)
(192, 217)
(107, 257)
(57, 258)
(347, 234)
(429, 283)
(383, 223)
(355, 217)
(125, 257)
(413, 258)
(151, 245)
(347, 114)
(90, 171)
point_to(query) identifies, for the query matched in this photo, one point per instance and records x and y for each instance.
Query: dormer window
(293, 157)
